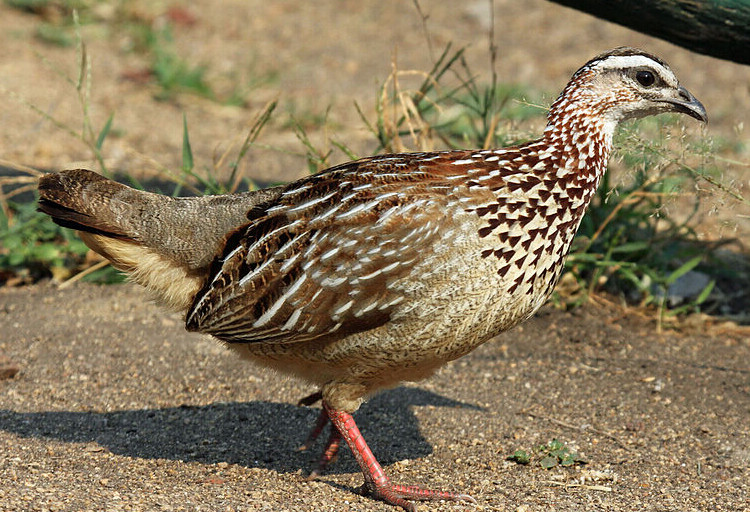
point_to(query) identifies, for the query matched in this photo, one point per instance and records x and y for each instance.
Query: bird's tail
(162, 242)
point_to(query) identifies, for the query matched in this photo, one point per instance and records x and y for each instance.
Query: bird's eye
(645, 78)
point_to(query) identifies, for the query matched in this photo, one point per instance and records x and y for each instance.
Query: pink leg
(329, 455)
(320, 423)
(332, 445)
(377, 483)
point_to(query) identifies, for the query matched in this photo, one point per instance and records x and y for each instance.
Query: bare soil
(115, 407)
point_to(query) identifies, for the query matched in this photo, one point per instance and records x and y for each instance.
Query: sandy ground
(115, 407)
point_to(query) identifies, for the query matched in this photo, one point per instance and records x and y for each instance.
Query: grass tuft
(173, 73)
(550, 455)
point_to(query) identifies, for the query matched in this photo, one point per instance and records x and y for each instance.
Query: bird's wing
(325, 256)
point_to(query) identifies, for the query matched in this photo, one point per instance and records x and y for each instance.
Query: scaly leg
(331, 449)
(377, 483)
(320, 423)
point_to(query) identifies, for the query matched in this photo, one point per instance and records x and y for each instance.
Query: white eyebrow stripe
(630, 61)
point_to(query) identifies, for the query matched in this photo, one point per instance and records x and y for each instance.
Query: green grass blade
(631, 247)
(104, 132)
(703, 295)
(683, 269)
(350, 154)
(187, 151)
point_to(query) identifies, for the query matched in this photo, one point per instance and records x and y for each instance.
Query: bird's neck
(581, 134)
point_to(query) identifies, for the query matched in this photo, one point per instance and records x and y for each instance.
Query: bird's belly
(447, 313)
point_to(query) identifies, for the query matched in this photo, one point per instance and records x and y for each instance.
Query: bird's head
(624, 83)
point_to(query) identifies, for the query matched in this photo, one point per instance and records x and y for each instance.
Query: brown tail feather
(63, 195)
(164, 243)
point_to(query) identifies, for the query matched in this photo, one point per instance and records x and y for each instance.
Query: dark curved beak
(686, 103)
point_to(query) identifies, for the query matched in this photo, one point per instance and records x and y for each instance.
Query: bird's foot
(377, 484)
(400, 495)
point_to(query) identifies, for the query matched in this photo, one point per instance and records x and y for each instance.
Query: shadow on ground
(252, 434)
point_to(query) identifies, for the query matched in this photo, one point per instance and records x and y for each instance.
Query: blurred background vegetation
(638, 245)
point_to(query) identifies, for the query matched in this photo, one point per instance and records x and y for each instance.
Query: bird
(380, 270)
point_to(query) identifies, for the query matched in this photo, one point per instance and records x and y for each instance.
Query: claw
(377, 484)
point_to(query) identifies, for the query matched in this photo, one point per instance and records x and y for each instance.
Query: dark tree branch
(719, 28)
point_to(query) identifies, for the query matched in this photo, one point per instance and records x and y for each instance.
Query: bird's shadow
(252, 434)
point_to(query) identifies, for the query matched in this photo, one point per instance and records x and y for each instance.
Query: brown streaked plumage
(381, 270)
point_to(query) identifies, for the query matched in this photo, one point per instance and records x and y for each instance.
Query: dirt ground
(116, 407)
